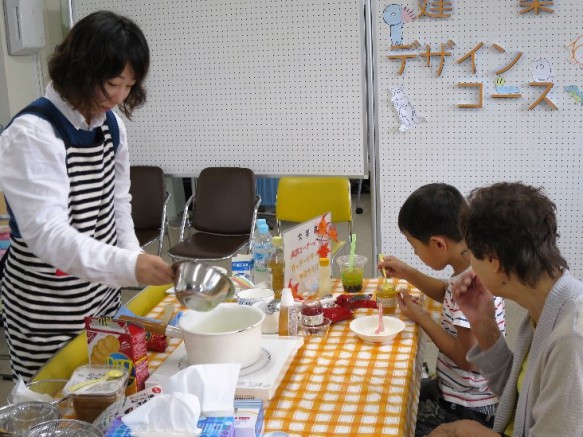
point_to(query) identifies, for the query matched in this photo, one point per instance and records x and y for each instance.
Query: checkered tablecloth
(342, 386)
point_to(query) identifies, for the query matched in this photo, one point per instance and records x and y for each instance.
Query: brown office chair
(149, 202)
(225, 207)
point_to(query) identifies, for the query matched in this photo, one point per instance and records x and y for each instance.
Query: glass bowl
(64, 428)
(50, 387)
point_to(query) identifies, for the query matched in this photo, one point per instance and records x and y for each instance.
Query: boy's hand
(153, 270)
(394, 267)
(410, 306)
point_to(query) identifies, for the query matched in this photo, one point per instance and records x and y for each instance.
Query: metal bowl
(200, 287)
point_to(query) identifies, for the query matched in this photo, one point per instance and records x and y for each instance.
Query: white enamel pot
(230, 333)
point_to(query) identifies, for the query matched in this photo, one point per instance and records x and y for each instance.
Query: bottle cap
(263, 228)
(277, 241)
(324, 262)
(287, 298)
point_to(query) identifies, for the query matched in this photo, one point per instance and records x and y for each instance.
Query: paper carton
(117, 343)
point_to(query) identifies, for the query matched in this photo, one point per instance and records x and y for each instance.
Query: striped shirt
(45, 307)
(459, 386)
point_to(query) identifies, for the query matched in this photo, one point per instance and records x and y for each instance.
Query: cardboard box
(117, 343)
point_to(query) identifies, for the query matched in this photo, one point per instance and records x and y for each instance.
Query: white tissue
(213, 384)
(21, 393)
(175, 414)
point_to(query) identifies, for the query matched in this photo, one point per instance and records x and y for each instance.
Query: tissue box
(120, 344)
(211, 427)
(248, 417)
(108, 419)
(217, 426)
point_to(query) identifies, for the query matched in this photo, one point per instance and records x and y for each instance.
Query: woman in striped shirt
(65, 176)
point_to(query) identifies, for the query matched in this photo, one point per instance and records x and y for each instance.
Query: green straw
(352, 250)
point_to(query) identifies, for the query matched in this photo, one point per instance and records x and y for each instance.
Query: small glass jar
(312, 319)
(387, 296)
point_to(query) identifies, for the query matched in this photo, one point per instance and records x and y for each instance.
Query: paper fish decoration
(407, 113)
(575, 93)
(395, 16)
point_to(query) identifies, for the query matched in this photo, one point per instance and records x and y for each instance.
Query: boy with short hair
(429, 221)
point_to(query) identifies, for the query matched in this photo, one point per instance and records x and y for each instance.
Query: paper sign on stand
(303, 246)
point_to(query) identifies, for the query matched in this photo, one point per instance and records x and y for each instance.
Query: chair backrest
(225, 201)
(302, 198)
(148, 192)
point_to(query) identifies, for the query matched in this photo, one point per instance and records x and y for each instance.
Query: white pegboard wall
(501, 141)
(273, 85)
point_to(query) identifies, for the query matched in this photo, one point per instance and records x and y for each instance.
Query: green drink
(352, 279)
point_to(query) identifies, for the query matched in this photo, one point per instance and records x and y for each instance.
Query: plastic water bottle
(262, 248)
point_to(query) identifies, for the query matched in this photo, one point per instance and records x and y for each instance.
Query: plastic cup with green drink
(352, 275)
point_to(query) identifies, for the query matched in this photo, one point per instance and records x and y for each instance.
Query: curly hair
(95, 50)
(516, 224)
(430, 210)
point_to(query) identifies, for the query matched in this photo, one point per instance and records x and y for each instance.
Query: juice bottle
(276, 265)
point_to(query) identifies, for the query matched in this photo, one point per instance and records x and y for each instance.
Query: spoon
(381, 259)
(110, 374)
(381, 327)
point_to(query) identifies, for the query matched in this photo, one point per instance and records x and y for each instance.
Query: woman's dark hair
(431, 210)
(95, 50)
(516, 224)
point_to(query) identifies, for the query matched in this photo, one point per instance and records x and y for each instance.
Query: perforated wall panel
(503, 140)
(273, 85)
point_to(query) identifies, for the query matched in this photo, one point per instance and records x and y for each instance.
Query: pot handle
(154, 326)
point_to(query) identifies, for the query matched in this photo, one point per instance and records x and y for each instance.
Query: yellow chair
(301, 198)
(74, 353)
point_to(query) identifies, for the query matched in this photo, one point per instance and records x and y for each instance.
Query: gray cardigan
(551, 397)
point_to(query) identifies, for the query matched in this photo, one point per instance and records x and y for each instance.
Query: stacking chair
(224, 207)
(149, 203)
(302, 198)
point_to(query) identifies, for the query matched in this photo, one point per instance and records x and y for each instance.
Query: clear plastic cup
(352, 277)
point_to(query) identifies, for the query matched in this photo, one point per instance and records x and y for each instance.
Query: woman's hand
(153, 270)
(410, 306)
(394, 267)
(463, 428)
(475, 300)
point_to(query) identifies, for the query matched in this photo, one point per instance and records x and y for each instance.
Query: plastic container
(324, 277)
(352, 276)
(288, 317)
(90, 401)
(262, 248)
(276, 266)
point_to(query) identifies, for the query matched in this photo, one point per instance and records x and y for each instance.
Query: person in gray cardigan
(511, 231)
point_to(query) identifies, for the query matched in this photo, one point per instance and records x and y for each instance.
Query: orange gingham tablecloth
(340, 385)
